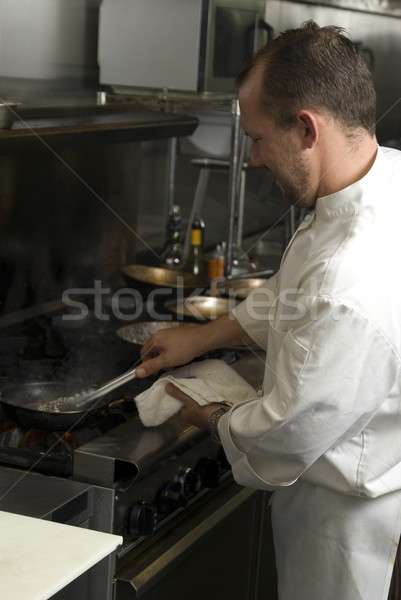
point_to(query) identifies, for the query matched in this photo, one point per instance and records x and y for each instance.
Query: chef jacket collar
(354, 196)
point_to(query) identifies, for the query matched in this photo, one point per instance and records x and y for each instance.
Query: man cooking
(325, 434)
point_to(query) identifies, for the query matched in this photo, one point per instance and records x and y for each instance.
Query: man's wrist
(212, 422)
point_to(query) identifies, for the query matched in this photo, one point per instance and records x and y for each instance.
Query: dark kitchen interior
(89, 170)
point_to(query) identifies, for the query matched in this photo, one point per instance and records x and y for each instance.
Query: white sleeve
(323, 387)
(252, 314)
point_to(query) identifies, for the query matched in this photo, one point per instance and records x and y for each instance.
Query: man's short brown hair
(315, 68)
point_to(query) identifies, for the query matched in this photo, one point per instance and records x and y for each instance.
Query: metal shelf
(38, 129)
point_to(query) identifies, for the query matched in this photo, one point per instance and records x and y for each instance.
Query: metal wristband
(212, 421)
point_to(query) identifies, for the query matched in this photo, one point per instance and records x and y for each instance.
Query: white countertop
(38, 557)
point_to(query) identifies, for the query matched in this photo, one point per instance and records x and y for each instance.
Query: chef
(325, 435)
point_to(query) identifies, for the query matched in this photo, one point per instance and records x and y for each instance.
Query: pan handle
(252, 274)
(83, 398)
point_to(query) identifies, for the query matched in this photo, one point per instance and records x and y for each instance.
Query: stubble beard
(294, 181)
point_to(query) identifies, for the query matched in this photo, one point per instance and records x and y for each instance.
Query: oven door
(222, 549)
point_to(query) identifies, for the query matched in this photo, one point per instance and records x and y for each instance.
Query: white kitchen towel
(205, 381)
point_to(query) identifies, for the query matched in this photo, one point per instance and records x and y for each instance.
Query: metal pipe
(232, 185)
(241, 202)
(171, 168)
(240, 191)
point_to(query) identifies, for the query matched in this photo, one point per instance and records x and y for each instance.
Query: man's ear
(308, 126)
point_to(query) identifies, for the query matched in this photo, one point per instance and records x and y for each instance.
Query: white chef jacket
(326, 433)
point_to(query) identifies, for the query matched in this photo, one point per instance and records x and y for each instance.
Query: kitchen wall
(48, 39)
(48, 49)
(58, 228)
(48, 56)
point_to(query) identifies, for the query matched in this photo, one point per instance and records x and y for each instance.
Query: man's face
(275, 148)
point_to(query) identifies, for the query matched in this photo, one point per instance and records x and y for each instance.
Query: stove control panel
(142, 519)
(189, 481)
(169, 498)
(144, 506)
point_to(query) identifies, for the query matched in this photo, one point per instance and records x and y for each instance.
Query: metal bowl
(139, 333)
(201, 307)
(7, 114)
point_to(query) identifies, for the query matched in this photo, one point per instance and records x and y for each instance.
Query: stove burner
(87, 357)
(52, 452)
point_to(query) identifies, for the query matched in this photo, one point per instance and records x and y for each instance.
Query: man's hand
(192, 412)
(168, 348)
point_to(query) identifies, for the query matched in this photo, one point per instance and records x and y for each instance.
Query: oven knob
(209, 471)
(190, 482)
(142, 519)
(170, 498)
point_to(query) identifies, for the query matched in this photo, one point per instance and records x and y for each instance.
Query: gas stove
(133, 481)
(113, 474)
(37, 353)
(114, 451)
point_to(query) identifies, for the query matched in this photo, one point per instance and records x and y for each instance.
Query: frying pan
(201, 307)
(157, 276)
(29, 405)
